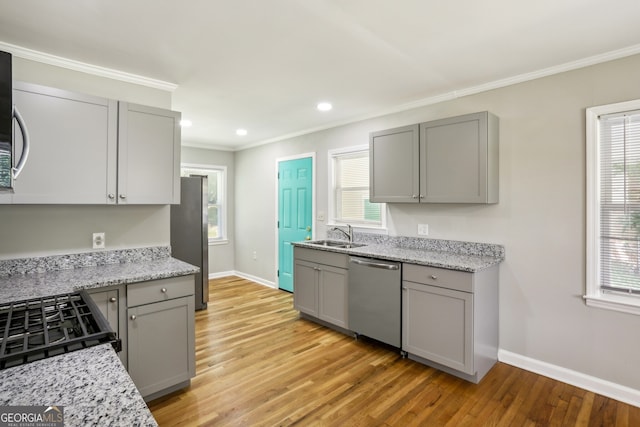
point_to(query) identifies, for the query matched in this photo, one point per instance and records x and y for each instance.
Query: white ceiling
(264, 65)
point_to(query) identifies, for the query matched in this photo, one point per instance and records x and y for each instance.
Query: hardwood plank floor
(258, 364)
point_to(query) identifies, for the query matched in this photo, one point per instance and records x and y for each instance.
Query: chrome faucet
(348, 233)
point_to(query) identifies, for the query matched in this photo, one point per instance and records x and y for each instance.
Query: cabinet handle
(414, 196)
(133, 317)
(111, 196)
(122, 197)
(163, 290)
(434, 277)
(112, 299)
(421, 196)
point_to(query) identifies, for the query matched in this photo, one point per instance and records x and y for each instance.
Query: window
(349, 200)
(216, 180)
(613, 206)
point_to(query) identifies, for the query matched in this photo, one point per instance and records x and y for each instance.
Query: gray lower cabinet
(452, 160)
(161, 335)
(450, 319)
(90, 150)
(112, 302)
(320, 285)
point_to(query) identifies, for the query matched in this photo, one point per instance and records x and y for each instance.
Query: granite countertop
(42, 279)
(91, 384)
(453, 255)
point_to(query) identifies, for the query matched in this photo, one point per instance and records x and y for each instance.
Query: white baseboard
(597, 385)
(256, 279)
(221, 274)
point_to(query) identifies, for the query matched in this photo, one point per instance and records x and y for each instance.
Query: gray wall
(221, 256)
(45, 230)
(540, 218)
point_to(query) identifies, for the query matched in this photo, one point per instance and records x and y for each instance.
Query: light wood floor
(258, 364)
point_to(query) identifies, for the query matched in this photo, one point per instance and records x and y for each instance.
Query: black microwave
(8, 112)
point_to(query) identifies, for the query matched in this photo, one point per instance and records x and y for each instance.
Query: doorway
(295, 211)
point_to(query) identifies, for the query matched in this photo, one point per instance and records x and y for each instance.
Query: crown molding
(58, 61)
(521, 78)
(207, 146)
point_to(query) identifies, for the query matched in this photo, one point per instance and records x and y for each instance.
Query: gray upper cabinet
(457, 161)
(148, 155)
(72, 143)
(394, 165)
(91, 150)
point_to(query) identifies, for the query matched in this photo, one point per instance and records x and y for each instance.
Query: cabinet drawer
(159, 290)
(450, 279)
(322, 257)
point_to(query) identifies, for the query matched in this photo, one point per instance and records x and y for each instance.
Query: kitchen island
(91, 385)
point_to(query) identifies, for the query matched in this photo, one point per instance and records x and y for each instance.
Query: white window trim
(594, 296)
(331, 220)
(224, 240)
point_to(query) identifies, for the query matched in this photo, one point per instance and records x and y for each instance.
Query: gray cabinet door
(458, 159)
(332, 295)
(72, 153)
(305, 294)
(437, 324)
(394, 165)
(161, 344)
(148, 155)
(112, 304)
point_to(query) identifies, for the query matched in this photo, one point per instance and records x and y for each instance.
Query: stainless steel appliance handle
(375, 264)
(25, 144)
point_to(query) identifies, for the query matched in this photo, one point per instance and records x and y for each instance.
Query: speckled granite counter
(91, 384)
(450, 254)
(35, 277)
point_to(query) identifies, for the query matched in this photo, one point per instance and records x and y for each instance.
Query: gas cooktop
(38, 328)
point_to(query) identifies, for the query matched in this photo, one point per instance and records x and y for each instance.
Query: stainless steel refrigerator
(189, 232)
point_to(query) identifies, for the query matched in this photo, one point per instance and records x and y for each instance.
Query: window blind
(619, 153)
(351, 192)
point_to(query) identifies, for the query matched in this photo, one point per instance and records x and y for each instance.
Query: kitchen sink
(335, 244)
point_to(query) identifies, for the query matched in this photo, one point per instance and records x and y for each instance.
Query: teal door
(295, 199)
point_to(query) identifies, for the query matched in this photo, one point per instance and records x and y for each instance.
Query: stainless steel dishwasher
(375, 299)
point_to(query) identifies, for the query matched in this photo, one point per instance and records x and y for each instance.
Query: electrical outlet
(98, 240)
(423, 229)
(255, 255)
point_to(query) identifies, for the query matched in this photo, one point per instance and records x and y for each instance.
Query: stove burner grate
(44, 327)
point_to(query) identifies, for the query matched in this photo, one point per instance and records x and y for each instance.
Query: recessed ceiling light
(185, 123)
(241, 132)
(324, 106)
